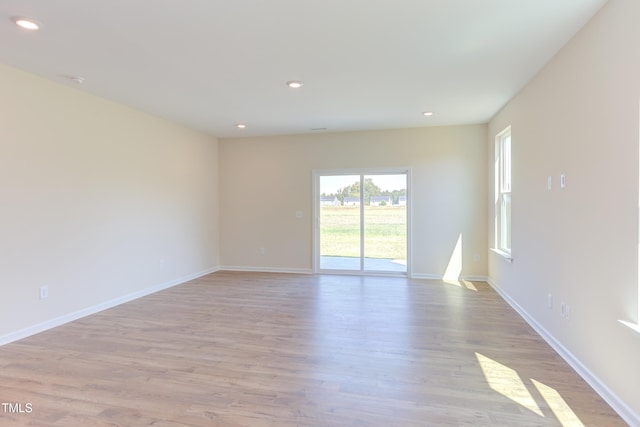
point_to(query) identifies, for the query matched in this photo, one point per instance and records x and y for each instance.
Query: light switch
(549, 182)
(298, 214)
(563, 180)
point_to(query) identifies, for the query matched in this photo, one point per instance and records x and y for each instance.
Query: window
(503, 190)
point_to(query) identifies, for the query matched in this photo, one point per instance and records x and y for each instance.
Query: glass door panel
(339, 222)
(385, 223)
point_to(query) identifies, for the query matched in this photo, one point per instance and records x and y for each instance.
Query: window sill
(503, 254)
(633, 326)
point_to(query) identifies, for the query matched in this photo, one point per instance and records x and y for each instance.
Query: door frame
(316, 174)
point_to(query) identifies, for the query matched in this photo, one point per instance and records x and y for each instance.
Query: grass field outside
(385, 231)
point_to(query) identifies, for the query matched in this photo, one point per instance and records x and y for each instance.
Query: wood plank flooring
(258, 349)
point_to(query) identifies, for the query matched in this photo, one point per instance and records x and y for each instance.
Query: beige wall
(93, 196)
(580, 116)
(264, 181)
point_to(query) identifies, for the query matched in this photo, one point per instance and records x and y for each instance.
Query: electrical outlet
(162, 263)
(263, 251)
(565, 310)
(476, 257)
(550, 301)
(44, 292)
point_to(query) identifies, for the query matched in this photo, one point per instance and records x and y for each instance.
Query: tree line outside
(370, 189)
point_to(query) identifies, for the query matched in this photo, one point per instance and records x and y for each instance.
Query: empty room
(323, 213)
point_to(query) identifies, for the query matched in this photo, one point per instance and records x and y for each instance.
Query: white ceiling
(366, 64)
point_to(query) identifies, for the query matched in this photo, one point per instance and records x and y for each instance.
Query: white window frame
(503, 193)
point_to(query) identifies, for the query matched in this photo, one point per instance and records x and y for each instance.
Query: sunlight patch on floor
(461, 283)
(508, 383)
(469, 285)
(562, 411)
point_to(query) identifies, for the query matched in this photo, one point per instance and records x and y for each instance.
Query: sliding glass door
(362, 221)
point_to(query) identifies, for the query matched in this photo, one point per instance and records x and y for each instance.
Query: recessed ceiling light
(294, 84)
(26, 23)
(241, 126)
(427, 113)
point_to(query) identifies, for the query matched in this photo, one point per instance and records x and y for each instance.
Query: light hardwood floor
(257, 349)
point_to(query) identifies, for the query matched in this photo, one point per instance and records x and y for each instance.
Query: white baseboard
(310, 271)
(61, 320)
(266, 269)
(441, 277)
(475, 278)
(618, 405)
(426, 276)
